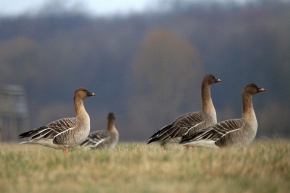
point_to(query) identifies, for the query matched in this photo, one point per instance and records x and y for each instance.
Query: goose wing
(214, 133)
(51, 130)
(178, 128)
(96, 138)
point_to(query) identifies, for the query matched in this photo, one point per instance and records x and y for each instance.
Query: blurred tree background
(147, 67)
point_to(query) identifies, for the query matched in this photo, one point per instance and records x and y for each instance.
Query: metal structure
(13, 112)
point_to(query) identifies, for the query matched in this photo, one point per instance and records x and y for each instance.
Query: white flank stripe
(63, 132)
(202, 143)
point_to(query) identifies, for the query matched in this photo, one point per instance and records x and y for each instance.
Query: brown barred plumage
(64, 133)
(191, 122)
(104, 138)
(233, 132)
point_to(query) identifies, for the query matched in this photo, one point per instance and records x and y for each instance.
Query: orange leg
(163, 144)
(65, 150)
(187, 147)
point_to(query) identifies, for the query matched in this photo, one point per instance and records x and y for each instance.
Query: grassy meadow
(264, 166)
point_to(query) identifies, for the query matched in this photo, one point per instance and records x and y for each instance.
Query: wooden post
(13, 111)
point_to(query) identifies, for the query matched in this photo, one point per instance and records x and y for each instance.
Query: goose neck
(207, 104)
(80, 110)
(111, 127)
(248, 109)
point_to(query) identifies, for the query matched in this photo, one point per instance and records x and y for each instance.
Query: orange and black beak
(218, 80)
(91, 94)
(262, 89)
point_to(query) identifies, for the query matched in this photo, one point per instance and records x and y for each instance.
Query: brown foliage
(166, 68)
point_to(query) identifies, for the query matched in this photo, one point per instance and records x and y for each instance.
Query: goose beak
(262, 89)
(218, 80)
(91, 94)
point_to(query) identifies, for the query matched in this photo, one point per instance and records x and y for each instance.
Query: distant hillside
(147, 68)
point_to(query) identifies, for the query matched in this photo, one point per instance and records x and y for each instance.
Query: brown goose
(191, 122)
(232, 132)
(104, 138)
(64, 133)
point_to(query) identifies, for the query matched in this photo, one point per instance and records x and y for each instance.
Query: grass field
(263, 166)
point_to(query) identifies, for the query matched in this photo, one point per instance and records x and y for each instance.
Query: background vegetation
(147, 68)
(135, 167)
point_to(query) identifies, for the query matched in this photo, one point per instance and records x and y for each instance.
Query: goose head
(252, 89)
(111, 117)
(210, 79)
(83, 93)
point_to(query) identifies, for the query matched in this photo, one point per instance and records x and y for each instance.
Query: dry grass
(135, 167)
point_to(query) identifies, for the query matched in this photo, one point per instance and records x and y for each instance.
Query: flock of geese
(192, 129)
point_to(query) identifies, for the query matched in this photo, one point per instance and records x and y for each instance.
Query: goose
(232, 132)
(64, 133)
(103, 138)
(191, 122)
